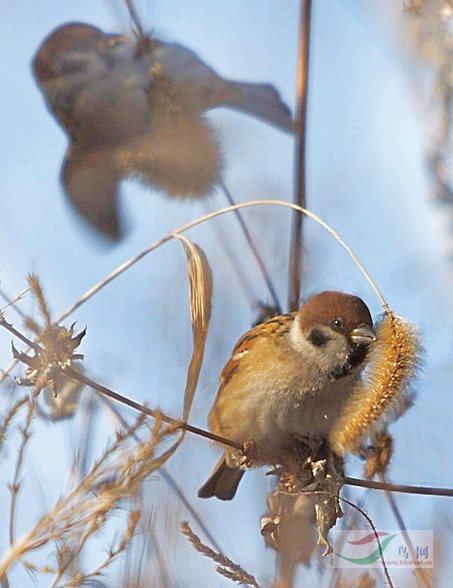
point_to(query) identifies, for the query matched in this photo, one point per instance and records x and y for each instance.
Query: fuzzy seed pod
(384, 393)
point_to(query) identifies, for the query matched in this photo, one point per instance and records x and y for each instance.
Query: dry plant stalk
(14, 487)
(384, 393)
(430, 36)
(38, 294)
(198, 221)
(226, 567)
(9, 417)
(86, 509)
(79, 579)
(378, 455)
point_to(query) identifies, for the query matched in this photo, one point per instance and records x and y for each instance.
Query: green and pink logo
(370, 540)
(356, 548)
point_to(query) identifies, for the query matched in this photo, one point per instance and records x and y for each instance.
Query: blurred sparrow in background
(286, 383)
(135, 107)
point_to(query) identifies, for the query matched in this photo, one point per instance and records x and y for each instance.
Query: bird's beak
(363, 335)
(114, 40)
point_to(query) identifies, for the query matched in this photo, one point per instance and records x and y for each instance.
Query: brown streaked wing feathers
(277, 325)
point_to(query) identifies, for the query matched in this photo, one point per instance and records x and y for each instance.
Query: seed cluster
(384, 393)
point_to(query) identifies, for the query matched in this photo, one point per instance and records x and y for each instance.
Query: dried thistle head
(54, 355)
(385, 392)
(288, 526)
(320, 479)
(54, 349)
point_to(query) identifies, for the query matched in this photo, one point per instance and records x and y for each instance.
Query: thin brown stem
(206, 218)
(11, 302)
(296, 243)
(168, 479)
(370, 522)
(18, 334)
(15, 485)
(134, 18)
(425, 490)
(145, 410)
(223, 441)
(424, 581)
(69, 371)
(254, 249)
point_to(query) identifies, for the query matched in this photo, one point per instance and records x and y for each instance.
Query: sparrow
(286, 382)
(136, 108)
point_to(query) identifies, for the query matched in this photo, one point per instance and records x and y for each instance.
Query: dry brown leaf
(200, 293)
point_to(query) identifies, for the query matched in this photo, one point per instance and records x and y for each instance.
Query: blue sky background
(366, 176)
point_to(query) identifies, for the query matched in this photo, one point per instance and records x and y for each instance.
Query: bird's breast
(272, 413)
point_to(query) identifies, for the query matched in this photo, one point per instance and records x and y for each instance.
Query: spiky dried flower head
(55, 353)
(54, 348)
(385, 392)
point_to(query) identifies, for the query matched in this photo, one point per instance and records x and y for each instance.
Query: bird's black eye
(338, 324)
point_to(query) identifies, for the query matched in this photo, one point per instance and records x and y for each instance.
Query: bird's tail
(263, 101)
(222, 483)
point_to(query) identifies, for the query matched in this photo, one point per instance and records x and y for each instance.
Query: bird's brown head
(72, 37)
(330, 314)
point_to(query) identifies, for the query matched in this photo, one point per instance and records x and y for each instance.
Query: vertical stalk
(296, 243)
(130, 5)
(420, 573)
(255, 252)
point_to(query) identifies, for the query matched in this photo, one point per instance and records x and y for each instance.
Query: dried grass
(85, 510)
(226, 567)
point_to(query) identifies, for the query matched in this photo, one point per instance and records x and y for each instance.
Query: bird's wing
(278, 325)
(91, 180)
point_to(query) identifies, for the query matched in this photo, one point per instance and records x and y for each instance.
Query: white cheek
(327, 357)
(298, 340)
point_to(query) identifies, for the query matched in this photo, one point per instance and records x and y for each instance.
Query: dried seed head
(385, 391)
(378, 455)
(56, 352)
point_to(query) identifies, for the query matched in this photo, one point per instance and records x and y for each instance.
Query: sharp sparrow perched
(287, 381)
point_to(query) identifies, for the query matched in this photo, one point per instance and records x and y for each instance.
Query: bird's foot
(248, 455)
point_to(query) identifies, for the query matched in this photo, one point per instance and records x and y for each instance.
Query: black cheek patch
(357, 356)
(318, 338)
